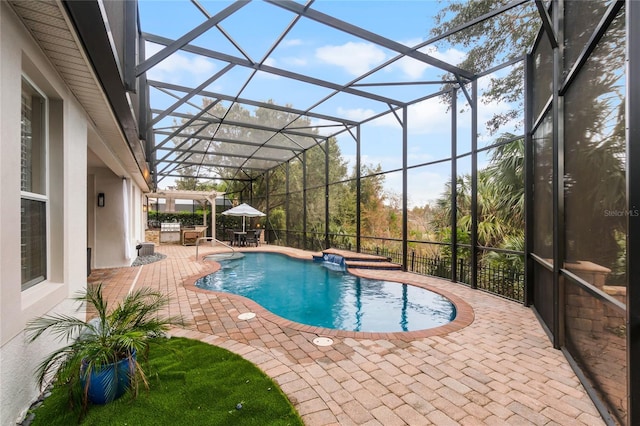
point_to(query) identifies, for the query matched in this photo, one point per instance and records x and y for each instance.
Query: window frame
(35, 196)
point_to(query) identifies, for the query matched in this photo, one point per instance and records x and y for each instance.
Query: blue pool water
(309, 293)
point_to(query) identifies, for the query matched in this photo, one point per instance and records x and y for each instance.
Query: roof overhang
(73, 46)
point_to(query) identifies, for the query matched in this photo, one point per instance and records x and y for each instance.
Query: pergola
(205, 196)
(179, 194)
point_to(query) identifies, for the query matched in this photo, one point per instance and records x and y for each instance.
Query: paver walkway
(499, 369)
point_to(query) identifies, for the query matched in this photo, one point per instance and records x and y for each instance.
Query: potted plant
(100, 360)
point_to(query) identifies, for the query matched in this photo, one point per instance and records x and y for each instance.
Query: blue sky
(328, 54)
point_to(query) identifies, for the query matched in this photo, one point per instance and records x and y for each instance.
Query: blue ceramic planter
(109, 382)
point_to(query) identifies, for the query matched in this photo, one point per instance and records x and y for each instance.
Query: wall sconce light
(101, 199)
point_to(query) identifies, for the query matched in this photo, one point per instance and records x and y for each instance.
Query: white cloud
(351, 162)
(411, 68)
(432, 117)
(355, 114)
(450, 56)
(292, 43)
(179, 68)
(429, 116)
(431, 187)
(411, 42)
(295, 61)
(414, 69)
(424, 117)
(417, 156)
(425, 185)
(355, 58)
(270, 62)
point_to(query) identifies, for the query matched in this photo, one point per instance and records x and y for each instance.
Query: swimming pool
(308, 293)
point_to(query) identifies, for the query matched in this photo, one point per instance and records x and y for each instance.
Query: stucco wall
(67, 232)
(109, 221)
(106, 226)
(67, 228)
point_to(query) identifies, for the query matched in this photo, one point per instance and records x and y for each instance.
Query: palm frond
(63, 326)
(113, 335)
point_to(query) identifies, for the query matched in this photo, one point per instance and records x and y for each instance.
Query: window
(33, 183)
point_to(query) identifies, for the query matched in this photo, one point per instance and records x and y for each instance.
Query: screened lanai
(347, 140)
(491, 146)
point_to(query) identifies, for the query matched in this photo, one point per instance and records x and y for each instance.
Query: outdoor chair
(254, 238)
(231, 236)
(250, 238)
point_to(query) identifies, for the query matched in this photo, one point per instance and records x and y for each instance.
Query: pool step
(364, 261)
(361, 264)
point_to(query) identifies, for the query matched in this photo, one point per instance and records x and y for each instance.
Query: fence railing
(502, 281)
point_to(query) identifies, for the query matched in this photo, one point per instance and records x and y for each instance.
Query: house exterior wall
(108, 247)
(70, 219)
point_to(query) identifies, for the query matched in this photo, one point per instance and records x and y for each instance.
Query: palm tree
(506, 179)
(500, 198)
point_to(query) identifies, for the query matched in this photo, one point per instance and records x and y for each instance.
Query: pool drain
(247, 316)
(322, 341)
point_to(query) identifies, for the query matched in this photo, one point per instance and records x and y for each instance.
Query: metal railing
(500, 280)
(212, 239)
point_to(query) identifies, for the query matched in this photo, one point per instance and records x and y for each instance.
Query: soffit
(46, 20)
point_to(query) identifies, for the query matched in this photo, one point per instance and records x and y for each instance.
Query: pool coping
(464, 312)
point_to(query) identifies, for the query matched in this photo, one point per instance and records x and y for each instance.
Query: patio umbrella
(244, 210)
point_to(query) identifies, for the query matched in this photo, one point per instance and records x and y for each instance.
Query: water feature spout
(334, 261)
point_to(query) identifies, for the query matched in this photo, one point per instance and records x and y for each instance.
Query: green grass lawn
(191, 383)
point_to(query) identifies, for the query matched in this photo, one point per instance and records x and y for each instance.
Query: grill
(169, 232)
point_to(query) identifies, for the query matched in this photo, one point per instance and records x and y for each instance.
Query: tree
(315, 183)
(372, 221)
(244, 183)
(505, 177)
(594, 122)
(500, 200)
(190, 181)
(489, 43)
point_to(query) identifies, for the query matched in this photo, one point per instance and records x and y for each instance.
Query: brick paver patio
(496, 367)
